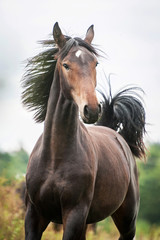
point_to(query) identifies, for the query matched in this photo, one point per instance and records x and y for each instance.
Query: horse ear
(89, 35)
(58, 36)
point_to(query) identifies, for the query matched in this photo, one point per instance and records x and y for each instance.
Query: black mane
(125, 113)
(38, 77)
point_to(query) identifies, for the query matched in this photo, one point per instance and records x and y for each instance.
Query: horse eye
(97, 64)
(66, 66)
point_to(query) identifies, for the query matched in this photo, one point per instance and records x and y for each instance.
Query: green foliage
(13, 165)
(5, 159)
(12, 213)
(146, 231)
(150, 186)
(143, 228)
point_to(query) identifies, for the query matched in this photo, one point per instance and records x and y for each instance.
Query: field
(12, 220)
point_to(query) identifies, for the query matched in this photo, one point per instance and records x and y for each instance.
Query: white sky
(127, 31)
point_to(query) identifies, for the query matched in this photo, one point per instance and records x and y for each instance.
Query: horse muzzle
(90, 114)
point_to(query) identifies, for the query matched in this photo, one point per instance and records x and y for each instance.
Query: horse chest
(47, 194)
(49, 201)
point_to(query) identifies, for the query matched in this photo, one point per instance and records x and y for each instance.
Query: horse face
(78, 81)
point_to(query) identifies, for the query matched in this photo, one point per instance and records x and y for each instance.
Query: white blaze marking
(78, 53)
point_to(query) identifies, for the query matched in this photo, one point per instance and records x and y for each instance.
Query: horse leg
(83, 237)
(125, 216)
(74, 223)
(34, 224)
(126, 226)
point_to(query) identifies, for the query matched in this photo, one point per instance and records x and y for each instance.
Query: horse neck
(65, 122)
(62, 119)
(51, 107)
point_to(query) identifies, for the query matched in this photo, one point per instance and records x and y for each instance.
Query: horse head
(76, 63)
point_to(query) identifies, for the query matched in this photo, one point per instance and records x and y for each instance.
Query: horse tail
(125, 113)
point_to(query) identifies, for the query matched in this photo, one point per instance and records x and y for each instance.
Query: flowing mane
(125, 113)
(38, 77)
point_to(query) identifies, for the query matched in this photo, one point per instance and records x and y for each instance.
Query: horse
(79, 174)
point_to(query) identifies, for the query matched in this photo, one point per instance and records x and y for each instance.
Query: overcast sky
(127, 31)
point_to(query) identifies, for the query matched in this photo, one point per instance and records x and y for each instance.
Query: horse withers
(80, 174)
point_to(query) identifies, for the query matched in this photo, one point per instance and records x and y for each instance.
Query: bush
(12, 213)
(150, 186)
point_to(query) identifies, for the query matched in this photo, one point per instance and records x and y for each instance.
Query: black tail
(125, 113)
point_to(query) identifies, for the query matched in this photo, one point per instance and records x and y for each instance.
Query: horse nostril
(89, 113)
(86, 111)
(99, 108)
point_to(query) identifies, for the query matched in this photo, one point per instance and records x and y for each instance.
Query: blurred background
(128, 32)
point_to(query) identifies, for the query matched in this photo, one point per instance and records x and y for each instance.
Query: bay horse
(80, 174)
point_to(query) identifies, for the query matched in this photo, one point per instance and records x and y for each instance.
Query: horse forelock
(73, 42)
